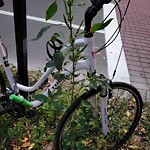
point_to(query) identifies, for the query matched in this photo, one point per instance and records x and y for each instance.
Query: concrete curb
(113, 51)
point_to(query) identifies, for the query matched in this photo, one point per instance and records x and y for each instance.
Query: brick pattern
(137, 43)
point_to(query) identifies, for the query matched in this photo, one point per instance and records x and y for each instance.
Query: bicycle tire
(133, 103)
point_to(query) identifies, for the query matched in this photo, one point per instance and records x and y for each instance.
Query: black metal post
(19, 8)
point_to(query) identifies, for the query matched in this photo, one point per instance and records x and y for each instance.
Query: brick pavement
(137, 44)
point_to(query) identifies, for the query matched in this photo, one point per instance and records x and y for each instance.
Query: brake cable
(115, 32)
(119, 26)
(123, 38)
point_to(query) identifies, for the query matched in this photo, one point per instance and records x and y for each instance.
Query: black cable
(117, 31)
(119, 26)
(109, 13)
(119, 54)
(115, 70)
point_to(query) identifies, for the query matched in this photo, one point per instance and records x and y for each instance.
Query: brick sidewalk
(137, 44)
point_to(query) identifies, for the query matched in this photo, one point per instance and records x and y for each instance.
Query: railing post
(19, 8)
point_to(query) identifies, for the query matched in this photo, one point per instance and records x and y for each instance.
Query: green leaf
(70, 3)
(101, 26)
(66, 22)
(50, 64)
(71, 58)
(78, 30)
(39, 35)
(58, 60)
(51, 11)
(82, 49)
(56, 36)
(58, 76)
(40, 97)
(50, 94)
(59, 91)
(58, 107)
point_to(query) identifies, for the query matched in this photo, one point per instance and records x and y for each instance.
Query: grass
(37, 132)
(36, 129)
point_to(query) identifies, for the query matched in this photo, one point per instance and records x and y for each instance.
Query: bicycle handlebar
(1, 3)
(100, 3)
(91, 12)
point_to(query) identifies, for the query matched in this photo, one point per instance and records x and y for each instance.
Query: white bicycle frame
(88, 64)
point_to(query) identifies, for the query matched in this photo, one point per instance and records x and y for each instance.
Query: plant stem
(72, 48)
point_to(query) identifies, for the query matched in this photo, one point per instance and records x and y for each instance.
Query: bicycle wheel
(80, 129)
(2, 98)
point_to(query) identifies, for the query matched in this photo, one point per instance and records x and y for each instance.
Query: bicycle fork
(103, 106)
(103, 103)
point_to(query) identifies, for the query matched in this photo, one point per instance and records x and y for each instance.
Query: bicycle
(120, 96)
